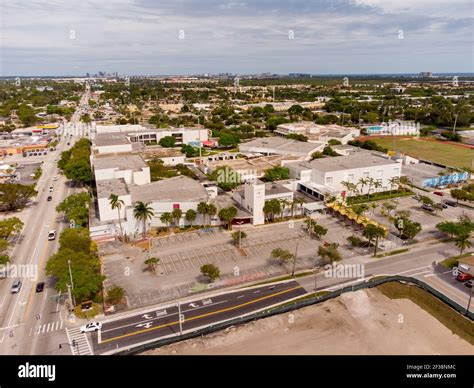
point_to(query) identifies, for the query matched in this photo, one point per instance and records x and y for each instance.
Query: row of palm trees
(278, 206)
(144, 212)
(354, 189)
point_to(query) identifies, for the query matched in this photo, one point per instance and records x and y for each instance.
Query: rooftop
(110, 139)
(421, 170)
(122, 162)
(275, 188)
(348, 162)
(111, 186)
(282, 144)
(176, 189)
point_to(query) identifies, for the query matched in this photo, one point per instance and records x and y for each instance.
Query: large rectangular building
(280, 146)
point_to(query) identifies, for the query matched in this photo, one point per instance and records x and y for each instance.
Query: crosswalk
(81, 346)
(46, 328)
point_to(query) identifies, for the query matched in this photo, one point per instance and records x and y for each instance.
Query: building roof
(110, 139)
(422, 170)
(275, 144)
(275, 188)
(111, 186)
(176, 189)
(123, 162)
(348, 162)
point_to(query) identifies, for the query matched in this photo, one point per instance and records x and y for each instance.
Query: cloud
(143, 36)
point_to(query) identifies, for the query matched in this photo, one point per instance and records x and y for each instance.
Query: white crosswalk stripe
(82, 346)
(45, 328)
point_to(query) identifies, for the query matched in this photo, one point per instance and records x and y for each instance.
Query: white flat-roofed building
(280, 146)
(104, 189)
(317, 132)
(131, 167)
(148, 134)
(326, 176)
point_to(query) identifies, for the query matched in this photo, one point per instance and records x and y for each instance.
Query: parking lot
(182, 255)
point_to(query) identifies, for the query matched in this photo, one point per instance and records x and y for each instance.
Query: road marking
(240, 296)
(203, 315)
(413, 269)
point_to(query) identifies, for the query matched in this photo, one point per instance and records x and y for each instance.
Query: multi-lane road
(29, 318)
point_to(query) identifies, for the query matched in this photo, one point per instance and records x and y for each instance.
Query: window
(329, 180)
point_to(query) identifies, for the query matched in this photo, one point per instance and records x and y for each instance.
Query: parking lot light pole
(294, 259)
(469, 303)
(179, 319)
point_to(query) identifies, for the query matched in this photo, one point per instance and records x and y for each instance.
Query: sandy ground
(363, 322)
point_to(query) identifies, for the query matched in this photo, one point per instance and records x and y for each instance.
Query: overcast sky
(59, 37)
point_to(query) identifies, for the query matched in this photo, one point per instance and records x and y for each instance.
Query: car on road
(50, 198)
(441, 205)
(51, 189)
(91, 326)
(462, 277)
(55, 178)
(440, 193)
(417, 197)
(469, 283)
(16, 286)
(40, 287)
(450, 203)
(428, 208)
(52, 235)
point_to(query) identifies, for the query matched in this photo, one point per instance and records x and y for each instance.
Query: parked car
(417, 197)
(469, 283)
(450, 203)
(52, 235)
(441, 205)
(40, 287)
(440, 193)
(55, 178)
(91, 326)
(16, 286)
(50, 198)
(462, 277)
(427, 207)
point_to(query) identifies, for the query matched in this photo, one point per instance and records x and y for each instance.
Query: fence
(374, 282)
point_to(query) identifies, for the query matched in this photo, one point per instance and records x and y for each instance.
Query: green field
(436, 151)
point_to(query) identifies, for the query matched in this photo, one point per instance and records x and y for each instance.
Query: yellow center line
(202, 315)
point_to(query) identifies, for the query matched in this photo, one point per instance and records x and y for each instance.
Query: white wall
(106, 213)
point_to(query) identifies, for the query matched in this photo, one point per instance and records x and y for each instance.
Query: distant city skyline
(184, 37)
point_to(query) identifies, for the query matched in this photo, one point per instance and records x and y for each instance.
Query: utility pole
(455, 121)
(315, 280)
(179, 319)
(469, 303)
(69, 296)
(294, 259)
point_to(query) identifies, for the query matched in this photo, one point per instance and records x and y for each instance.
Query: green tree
(282, 255)
(143, 212)
(152, 262)
(319, 230)
(372, 232)
(10, 227)
(14, 196)
(190, 216)
(117, 203)
(77, 240)
(272, 207)
(176, 214)
(463, 242)
(166, 218)
(167, 141)
(115, 294)
(203, 209)
(75, 208)
(227, 215)
(238, 236)
(329, 253)
(277, 173)
(211, 271)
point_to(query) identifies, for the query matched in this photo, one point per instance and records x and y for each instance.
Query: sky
(150, 37)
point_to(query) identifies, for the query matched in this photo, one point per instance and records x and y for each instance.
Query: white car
(51, 235)
(55, 178)
(51, 189)
(91, 326)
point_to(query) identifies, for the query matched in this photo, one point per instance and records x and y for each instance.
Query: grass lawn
(449, 317)
(435, 151)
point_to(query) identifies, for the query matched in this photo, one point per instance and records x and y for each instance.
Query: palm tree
(373, 232)
(190, 216)
(377, 185)
(299, 202)
(284, 203)
(211, 211)
(462, 242)
(203, 209)
(393, 182)
(176, 214)
(363, 182)
(116, 203)
(152, 262)
(347, 186)
(371, 181)
(166, 218)
(143, 212)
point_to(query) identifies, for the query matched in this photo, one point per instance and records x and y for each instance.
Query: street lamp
(469, 303)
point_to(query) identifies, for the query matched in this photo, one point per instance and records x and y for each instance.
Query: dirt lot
(364, 322)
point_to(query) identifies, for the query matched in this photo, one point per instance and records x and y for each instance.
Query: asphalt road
(203, 312)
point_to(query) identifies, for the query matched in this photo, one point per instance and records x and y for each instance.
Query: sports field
(436, 151)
